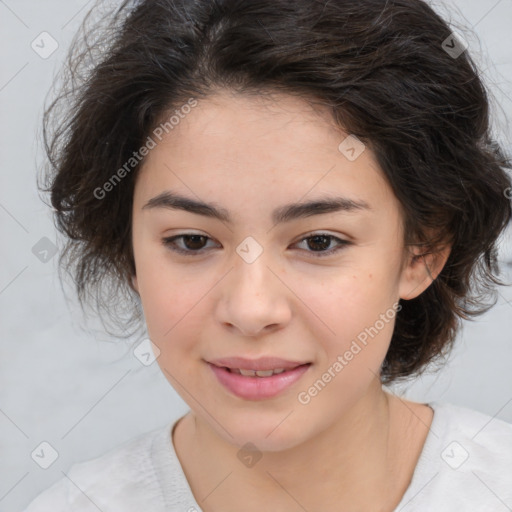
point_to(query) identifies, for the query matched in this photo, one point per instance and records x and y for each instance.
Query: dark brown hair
(381, 67)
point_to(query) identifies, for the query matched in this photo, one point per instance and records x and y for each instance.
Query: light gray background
(82, 392)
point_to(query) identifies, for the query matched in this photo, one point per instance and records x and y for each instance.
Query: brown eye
(319, 244)
(192, 243)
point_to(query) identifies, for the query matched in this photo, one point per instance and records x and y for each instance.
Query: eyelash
(169, 243)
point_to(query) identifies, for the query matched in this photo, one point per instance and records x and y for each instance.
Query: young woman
(301, 200)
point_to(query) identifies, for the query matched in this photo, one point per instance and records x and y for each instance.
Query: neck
(360, 451)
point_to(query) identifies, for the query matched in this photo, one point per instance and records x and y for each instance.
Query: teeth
(247, 373)
(258, 373)
(264, 373)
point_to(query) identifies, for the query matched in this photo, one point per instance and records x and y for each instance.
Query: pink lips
(257, 388)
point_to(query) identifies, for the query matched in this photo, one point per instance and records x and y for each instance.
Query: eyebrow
(282, 214)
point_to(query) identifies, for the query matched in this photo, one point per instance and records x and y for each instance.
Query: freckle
(370, 276)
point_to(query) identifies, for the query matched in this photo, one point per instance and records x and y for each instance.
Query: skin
(353, 446)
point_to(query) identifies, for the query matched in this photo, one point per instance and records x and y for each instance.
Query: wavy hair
(386, 73)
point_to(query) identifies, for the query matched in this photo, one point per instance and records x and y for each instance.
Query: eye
(319, 241)
(194, 244)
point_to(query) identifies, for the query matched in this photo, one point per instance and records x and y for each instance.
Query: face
(258, 279)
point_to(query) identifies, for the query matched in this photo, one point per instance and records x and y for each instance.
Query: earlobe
(421, 270)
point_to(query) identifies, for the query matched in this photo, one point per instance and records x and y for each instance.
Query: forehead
(273, 149)
(271, 128)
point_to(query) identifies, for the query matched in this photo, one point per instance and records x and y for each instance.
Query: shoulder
(122, 479)
(466, 462)
(486, 439)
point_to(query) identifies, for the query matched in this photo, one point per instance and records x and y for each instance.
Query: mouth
(269, 379)
(262, 364)
(258, 373)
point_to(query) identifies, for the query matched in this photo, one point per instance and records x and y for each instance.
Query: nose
(254, 300)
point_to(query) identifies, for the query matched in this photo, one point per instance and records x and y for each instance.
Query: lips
(257, 379)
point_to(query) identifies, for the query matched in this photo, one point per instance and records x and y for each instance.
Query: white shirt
(465, 465)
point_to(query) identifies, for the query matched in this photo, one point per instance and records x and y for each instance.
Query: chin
(269, 435)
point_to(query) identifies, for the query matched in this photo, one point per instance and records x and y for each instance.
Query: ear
(421, 267)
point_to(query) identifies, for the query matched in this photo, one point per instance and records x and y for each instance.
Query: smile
(256, 373)
(257, 384)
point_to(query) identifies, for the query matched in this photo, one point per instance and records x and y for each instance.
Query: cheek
(359, 309)
(350, 300)
(356, 313)
(174, 321)
(170, 308)
(169, 297)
